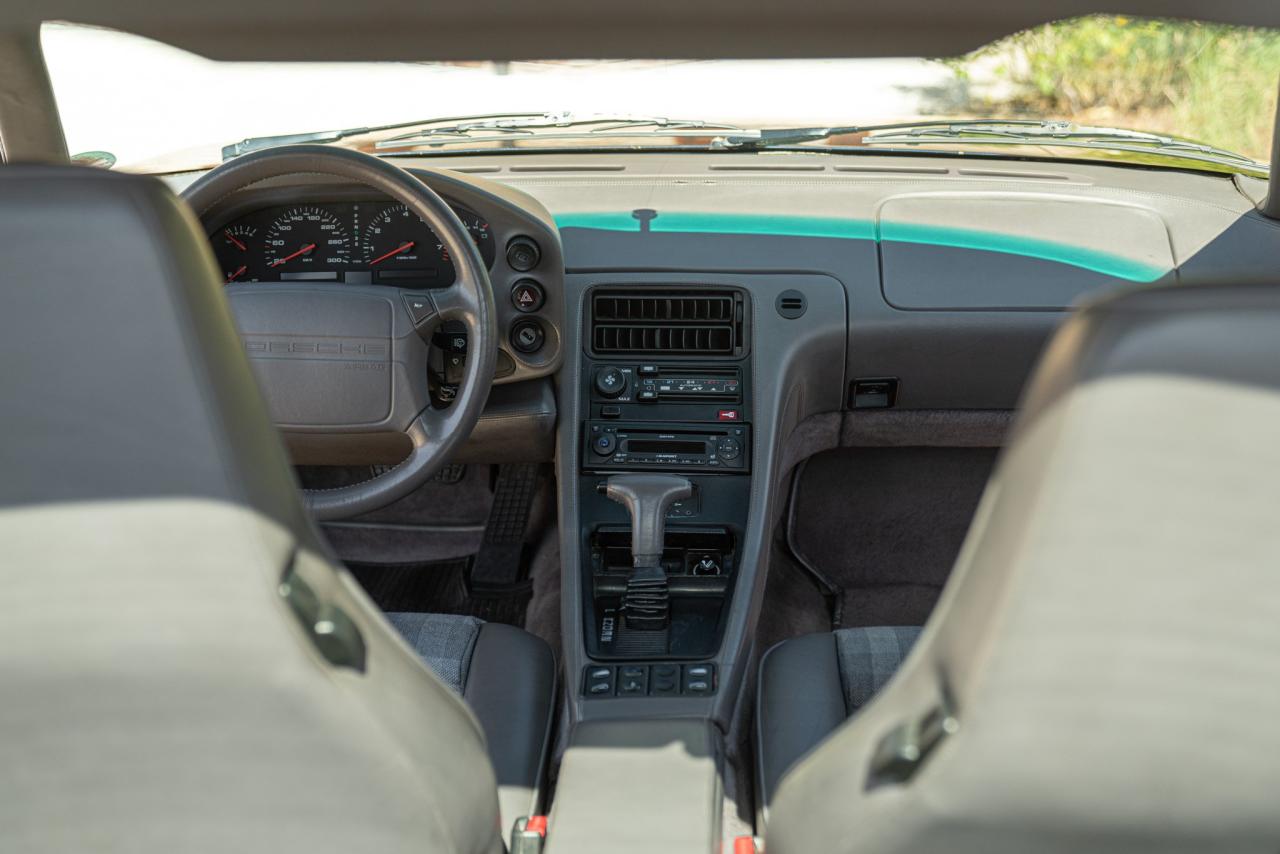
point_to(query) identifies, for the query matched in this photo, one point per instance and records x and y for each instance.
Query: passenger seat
(1100, 673)
(835, 673)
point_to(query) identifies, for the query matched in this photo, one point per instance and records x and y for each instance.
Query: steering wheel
(345, 368)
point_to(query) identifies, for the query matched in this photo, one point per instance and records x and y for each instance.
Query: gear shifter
(647, 497)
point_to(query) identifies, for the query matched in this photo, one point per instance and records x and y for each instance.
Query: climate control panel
(651, 383)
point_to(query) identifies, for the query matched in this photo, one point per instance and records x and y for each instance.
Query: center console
(665, 388)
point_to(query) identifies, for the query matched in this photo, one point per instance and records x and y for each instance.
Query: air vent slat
(693, 323)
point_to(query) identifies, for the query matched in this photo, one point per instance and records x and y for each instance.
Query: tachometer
(397, 244)
(307, 239)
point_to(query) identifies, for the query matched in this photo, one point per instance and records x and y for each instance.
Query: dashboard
(308, 231)
(358, 242)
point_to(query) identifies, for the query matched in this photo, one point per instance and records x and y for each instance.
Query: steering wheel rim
(433, 433)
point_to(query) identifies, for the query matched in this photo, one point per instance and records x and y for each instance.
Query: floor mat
(440, 587)
(885, 525)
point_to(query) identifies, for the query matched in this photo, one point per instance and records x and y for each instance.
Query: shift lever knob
(647, 498)
(647, 603)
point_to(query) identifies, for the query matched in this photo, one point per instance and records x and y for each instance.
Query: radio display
(661, 446)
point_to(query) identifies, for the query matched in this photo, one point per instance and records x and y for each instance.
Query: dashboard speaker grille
(686, 323)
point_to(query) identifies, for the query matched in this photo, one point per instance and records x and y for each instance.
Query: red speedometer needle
(231, 277)
(303, 251)
(231, 237)
(403, 247)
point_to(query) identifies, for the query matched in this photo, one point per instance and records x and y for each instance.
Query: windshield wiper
(545, 127)
(994, 132)
(441, 131)
(257, 143)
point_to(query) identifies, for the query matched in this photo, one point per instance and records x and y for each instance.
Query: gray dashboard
(955, 269)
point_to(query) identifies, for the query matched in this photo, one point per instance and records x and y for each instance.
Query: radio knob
(610, 382)
(604, 444)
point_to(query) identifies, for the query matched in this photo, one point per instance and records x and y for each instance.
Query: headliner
(422, 30)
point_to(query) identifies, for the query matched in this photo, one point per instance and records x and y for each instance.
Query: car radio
(647, 446)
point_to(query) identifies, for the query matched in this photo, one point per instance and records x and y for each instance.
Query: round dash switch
(523, 254)
(527, 295)
(527, 336)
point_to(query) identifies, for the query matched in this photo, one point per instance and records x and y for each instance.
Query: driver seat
(185, 668)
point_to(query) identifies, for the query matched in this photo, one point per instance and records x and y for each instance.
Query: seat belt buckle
(528, 834)
(746, 845)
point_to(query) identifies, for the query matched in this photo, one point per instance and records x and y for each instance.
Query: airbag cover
(330, 365)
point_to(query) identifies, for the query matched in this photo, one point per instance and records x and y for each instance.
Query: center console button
(604, 444)
(599, 681)
(699, 679)
(729, 449)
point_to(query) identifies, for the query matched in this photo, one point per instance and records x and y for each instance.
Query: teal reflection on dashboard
(686, 222)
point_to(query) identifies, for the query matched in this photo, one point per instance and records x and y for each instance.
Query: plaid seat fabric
(868, 657)
(443, 641)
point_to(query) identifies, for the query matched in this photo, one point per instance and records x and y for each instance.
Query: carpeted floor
(885, 525)
(415, 554)
(440, 587)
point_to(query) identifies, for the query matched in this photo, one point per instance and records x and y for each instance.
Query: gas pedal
(501, 550)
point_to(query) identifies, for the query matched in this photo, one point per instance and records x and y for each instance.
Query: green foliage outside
(1208, 82)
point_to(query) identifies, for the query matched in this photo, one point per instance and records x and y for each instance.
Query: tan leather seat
(184, 668)
(1101, 674)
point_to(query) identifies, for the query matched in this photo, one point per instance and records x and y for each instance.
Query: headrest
(123, 376)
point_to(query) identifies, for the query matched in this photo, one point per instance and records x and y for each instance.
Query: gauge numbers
(397, 239)
(362, 243)
(307, 239)
(238, 244)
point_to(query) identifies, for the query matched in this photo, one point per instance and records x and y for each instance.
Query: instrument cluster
(379, 242)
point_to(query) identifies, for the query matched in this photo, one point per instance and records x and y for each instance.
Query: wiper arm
(256, 143)
(440, 131)
(503, 129)
(773, 137)
(1057, 133)
(990, 131)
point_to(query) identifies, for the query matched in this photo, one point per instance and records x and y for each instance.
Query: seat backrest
(183, 668)
(1101, 673)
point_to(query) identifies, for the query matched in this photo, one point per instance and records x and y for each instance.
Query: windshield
(154, 108)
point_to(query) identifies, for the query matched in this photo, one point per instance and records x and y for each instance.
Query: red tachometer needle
(231, 277)
(303, 251)
(231, 237)
(403, 247)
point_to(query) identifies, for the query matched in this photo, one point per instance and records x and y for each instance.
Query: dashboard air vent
(683, 323)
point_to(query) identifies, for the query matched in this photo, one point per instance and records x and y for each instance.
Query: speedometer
(307, 240)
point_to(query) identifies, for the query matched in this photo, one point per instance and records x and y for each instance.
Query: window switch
(598, 681)
(699, 679)
(633, 680)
